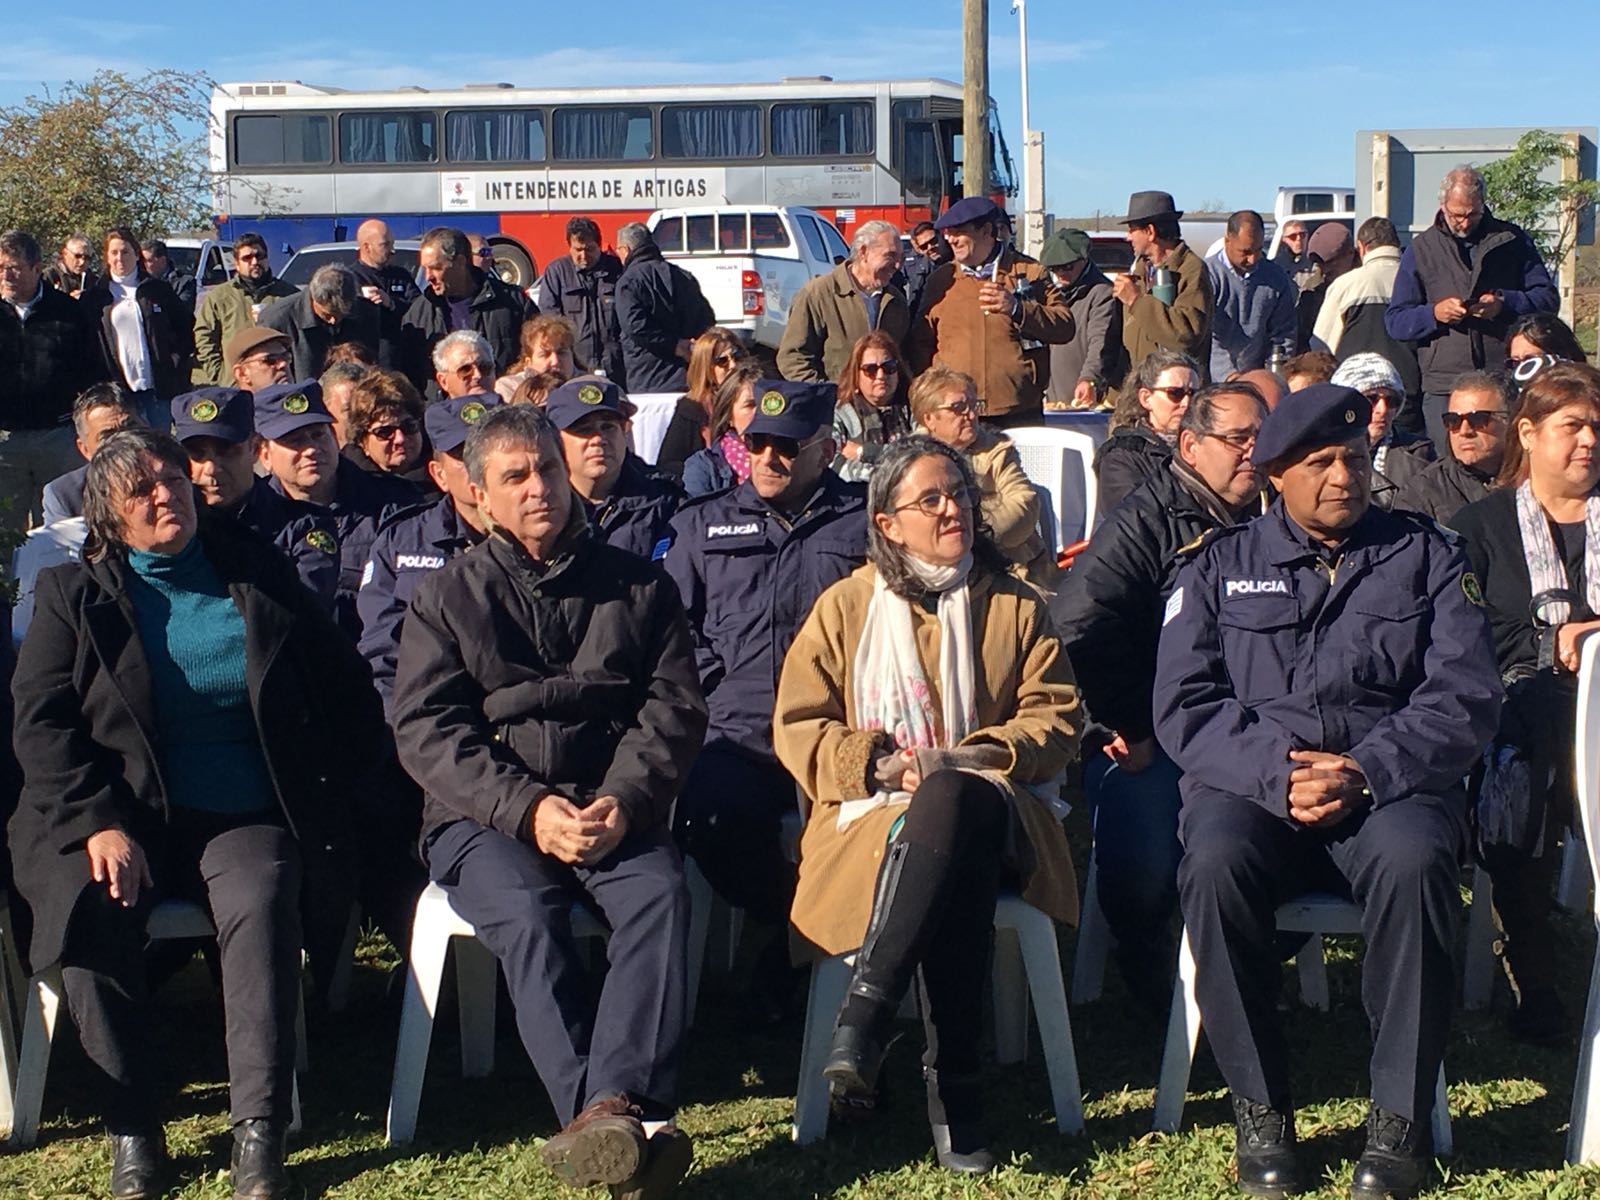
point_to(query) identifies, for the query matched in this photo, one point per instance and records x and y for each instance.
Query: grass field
(479, 1138)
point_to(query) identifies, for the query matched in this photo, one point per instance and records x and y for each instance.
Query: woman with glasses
(1144, 424)
(869, 416)
(1398, 458)
(1541, 333)
(927, 711)
(386, 435)
(1534, 547)
(712, 357)
(725, 461)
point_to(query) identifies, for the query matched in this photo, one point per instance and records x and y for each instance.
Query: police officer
(750, 562)
(217, 427)
(1325, 678)
(628, 503)
(422, 539)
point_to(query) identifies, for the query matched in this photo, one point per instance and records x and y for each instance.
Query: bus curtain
(711, 132)
(516, 136)
(386, 137)
(596, 133)
(802, 130)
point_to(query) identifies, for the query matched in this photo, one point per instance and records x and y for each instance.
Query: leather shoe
(1395, 1163)
(257, 1166)
(137, 1163)
(667, 1159)
(605, 1143)
(1264, 1150)
(973, 1158)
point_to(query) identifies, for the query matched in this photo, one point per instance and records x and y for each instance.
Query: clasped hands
(577, 836)
(1325, 788)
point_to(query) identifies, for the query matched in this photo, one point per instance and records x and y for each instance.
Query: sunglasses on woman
(963, 408)
(1176, 394)
(887, 367)
(728, 357)
(1479, 419)
(410, 427)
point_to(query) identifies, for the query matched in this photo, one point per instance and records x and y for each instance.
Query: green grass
(479, 1138)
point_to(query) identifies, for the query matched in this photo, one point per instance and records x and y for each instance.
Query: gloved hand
(887, 770)
(961, 758)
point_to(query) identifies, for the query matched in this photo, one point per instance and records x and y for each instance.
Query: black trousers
(730, 821)
(1399, 862)
(520, 902)
(247, 874)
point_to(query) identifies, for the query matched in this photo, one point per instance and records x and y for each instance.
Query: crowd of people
(374, 591)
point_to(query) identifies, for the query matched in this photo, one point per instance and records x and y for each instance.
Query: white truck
(750, 259)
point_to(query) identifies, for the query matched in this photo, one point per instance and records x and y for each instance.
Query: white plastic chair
(50, 546)
(1094, 943)
(1026, 953)
(1583, 1138)
(170, 920)
(1316, 914)
(1060, 463)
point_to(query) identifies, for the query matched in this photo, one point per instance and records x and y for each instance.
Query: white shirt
(127, 322)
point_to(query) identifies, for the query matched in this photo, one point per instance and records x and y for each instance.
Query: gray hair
(117, 468)
(869, 233)
(1465, 178)
(88, 242)
(333, 288)
(462, 337)
(451, 243)
(520, 425)
(890, 471)
(103, 395)
(635, 236)
(341, 372)
(1497, 383)
(1200, 418)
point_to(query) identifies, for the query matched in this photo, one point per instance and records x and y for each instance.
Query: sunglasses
(468, 370)
(729, 357)
(1238, 441)
(783, 447)
(931, 504)
(963, 408)
(1478, 419)
(925, 247)
(887, 367)
(410, 427)
(1176, 394)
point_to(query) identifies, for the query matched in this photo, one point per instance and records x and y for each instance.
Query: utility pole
(1032, 227)
(975, 99)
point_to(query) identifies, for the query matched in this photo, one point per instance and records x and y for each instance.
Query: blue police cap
(450, 420)
(578, 398)
(285, 407)
(964, 212)
(220, 412)
(1323, 414)
(785, 408)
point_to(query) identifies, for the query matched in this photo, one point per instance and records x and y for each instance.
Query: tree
(1516, 190)
(113, 151)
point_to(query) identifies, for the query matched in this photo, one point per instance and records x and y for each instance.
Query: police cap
(450, 420)
(578, 398)
(1324, 414)
(965, 212)
(285, 407)
(221, 412)
(787, 408)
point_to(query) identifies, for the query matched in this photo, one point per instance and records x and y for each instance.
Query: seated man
(1476, 421)
(629, 503)
(750, 563)
(1325, 679)
(101, 409)
(546, 701)
(1109, 615)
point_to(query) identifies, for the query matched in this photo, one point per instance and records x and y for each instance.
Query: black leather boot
(953, 1112)
(1394, 1165)
(257, 1167)
(1264, 1151)
(138, 1160)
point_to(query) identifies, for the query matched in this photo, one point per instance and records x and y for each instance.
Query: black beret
(1323, 414)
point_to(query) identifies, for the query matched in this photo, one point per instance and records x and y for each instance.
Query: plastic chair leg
(1477, 983)
(1009, 987)
(424, 978)
(1041, 956)
(476, 976)
(1094, 943)
(1313, 964)
(1183, 1037)
(829, 979)
(38, 1032)
(1583, 1138)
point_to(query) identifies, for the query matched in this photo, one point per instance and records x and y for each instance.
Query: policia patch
(1471, 590)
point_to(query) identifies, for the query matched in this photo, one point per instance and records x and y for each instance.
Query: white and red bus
(302, 164)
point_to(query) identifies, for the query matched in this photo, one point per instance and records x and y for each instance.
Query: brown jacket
(1008, 358)
(1010, 507)
(1184, 325)
(826, 320)
(1027, 703)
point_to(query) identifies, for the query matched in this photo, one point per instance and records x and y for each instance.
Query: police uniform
(749, 575)
(1375, 649)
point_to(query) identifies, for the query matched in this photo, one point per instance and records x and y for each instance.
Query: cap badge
(296, 404)
(321, 539)
(1349, 416)
(590, 393)
(203, 411)
(773, 402)
(472, 412)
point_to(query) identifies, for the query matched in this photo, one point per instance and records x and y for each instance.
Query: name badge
(1255, 587)
(717, 531)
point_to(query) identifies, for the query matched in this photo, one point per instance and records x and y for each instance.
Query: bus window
(669, 234)
(711, 131)
(507, 135)
(839, 127)
(702, 233)
(603, 134)
(767, 232)
(273, 140)
(733, 233)
(387, 137)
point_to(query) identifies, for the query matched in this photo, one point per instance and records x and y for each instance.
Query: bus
(300, 164)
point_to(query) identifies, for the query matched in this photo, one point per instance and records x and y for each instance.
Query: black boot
(1395, 1163)
(138, 1160)
(1264, 1150)
(953, 1112)
(257, 1167)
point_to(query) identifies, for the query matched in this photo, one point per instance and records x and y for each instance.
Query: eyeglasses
(925, 247)
(1176, 394)
(931, 504)
(246, 257)
(964, 408)
(887, 367)
(272, 358)
(1478, 419)
(468, 370)
(410, 427)
(728, 357)
(1297, 236)
(1241, 442)
(783, 447)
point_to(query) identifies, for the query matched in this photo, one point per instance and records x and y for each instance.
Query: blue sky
(1216, 102)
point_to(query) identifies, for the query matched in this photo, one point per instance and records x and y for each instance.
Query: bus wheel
(513, 265)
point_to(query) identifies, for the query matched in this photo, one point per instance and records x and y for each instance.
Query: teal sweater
(193, 636)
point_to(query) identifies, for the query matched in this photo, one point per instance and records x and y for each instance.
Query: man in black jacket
(546, 700)
(329, 312)
(581, 285)
(1110, 613)
(1476, 421)
(660, 310)
(459, 296)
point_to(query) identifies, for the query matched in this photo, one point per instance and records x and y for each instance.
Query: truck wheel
(513, 265)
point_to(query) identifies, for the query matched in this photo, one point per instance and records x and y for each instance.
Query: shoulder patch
(661, 548)
(1174, 607)
(321, 539)
(1470, 589)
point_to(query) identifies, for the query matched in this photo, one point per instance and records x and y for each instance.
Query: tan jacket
(224, 310)
(1010, 507)
(1184, 325)
(1010, 375)
(1027, 703)
(826, 320)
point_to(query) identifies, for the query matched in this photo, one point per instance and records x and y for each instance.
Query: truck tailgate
(721, 280)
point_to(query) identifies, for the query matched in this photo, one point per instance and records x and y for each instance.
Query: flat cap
(1063, 248)
(448, 421)
(1330, 242)
(285, 407)
(786, 408)
(964, 212)
(250, 338)
(227, 413)
(1324, 414)
(580, 397)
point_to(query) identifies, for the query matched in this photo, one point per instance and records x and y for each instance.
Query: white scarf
(1546, 571)
(127, 321)
(890, 689)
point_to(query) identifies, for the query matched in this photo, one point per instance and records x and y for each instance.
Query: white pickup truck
(750, 259)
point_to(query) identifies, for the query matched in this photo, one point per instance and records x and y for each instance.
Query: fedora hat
(1146, 206)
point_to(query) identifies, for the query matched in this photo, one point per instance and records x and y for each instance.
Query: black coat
(311, 338)
(636, 515)
(45, 361)
(684, 438)
(588, 300)
(659, 304)
(1442, 489)
(1409, 455)
(168, 334)
(86, 725)
(1131, 455)
(496, 310)
(515, 680)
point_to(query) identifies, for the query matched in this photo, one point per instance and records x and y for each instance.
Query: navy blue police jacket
(636, 516)
(408, 547)
(305, 532)
(749, 576)
(1378, 649)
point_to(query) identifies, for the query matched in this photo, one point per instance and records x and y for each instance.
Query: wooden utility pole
(975, 100)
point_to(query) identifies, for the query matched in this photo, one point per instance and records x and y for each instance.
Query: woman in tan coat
(927, 711)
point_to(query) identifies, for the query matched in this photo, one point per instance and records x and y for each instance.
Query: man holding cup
(1166, 295)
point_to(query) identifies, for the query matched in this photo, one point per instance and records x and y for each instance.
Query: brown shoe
(670, 1152)
(605, 1143)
